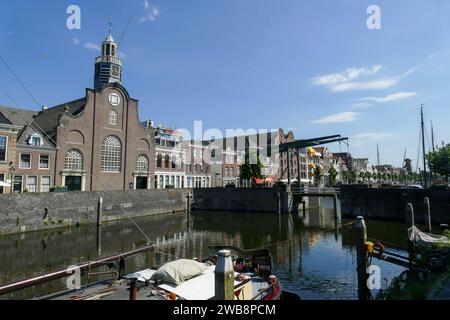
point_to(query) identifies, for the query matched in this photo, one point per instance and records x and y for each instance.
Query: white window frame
(49, 185)
(39, 164)
(38, 138)
(82, 160)
(36, 185)
(6, 148)
(20, 161)
(113, 118)
(110, 161)
(138, 163)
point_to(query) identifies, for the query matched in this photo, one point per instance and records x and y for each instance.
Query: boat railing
(82, 268)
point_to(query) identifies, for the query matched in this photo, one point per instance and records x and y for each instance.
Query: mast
(404, 158)
(432, 136)
(423, 148)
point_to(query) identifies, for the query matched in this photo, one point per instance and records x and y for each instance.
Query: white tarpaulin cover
(425, 239)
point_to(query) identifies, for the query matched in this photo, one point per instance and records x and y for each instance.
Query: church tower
(108, 67)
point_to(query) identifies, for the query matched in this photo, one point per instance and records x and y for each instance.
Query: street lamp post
(12, 171)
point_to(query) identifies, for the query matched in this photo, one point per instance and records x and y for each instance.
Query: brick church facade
(91, 144)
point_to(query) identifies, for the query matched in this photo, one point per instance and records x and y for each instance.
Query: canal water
(311, 257)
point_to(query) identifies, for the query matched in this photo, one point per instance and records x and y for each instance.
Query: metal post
(188, 203)
(279, 202)
(299, 168)
(99, 240)
(409, 215)
(337, 215)
(335, 205)
(224, 277)
(361, 257)
(100, 212)
(427, 214)
(289, 165)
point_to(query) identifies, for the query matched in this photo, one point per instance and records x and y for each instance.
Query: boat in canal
(182, 279)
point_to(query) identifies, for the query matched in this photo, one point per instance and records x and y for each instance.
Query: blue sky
(310, 66)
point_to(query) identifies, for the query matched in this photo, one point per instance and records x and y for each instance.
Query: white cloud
(365, 85)
(92, 46)
(151, 12)
(76, 41)
(346, 76)
(351, 79)
(347, 116)
(363, 139)
(389, 98)
(360, 105)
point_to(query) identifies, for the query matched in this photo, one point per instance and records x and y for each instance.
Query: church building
(94, 143)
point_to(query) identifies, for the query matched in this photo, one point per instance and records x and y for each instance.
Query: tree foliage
(318, 174)
(332, 174)
(249, 169)
(439, 161)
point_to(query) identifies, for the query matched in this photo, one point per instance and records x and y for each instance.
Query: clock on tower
(108, 67)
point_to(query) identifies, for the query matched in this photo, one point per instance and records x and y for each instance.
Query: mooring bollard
(427, 214)
(188, 203)
(133, 289)
(409, 215)
(100, 212)
(361, 257)
(99, 240)
(224, 277)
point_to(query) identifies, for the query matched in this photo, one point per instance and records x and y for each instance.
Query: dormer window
(35, 141)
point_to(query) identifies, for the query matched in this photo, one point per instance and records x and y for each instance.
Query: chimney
(44, 107)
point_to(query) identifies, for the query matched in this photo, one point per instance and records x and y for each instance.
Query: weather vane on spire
(110, 25)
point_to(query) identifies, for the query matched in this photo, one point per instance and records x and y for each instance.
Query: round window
(114, 99)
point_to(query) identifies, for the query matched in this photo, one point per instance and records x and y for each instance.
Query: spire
(108, 67)
(110, 25)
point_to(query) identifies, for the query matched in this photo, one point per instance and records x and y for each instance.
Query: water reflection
(311, 256)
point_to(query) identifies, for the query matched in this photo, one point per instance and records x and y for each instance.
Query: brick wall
(30, 212)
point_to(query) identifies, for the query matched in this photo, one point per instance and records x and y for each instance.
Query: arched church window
(111, 154)
(73, 160)
(142, 164)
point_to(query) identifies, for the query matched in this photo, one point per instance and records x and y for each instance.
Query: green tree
(439, 161)
(344, 176)
(368, 176)
(318, 174)
(250, 170)
(351, 176)
(362, 176)
(332, 174)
